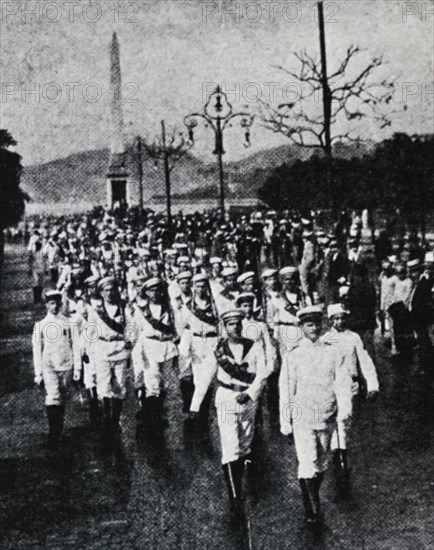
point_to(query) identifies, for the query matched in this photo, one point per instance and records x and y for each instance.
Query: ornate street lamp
(218, 114)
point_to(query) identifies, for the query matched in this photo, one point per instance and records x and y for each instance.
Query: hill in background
(81, 176)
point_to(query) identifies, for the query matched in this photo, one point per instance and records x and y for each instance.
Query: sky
(172, 51)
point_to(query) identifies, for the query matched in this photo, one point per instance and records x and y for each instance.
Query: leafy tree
(396, 177)
(12, 198)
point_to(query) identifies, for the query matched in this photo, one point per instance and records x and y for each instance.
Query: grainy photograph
(216, 275)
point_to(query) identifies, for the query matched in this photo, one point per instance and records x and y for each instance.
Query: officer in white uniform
(56, 356)
(241, 377)
(316, 395)
(362, 369)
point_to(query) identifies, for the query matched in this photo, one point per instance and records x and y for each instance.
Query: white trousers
(313, 448)
(89, 374)
(204, 367)
(111, 378)
(57, 385)
(236, 425)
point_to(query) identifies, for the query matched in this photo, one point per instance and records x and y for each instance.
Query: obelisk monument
(117, 177)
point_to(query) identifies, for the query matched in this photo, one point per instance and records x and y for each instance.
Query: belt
(101, 338)
(286, 323)
(160, 338)
(233, 387)
(205, 334)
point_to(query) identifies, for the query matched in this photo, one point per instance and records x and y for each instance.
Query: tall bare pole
(140, 166)
(166, 172)
(326, 96)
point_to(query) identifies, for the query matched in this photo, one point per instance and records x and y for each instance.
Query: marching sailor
(92, 300)
(198, 343)
(362, 371)
(155, 350)
(316, 395)
(56, 357)
(285, 320)
(257, 330)
(226, 299)
(106, 329)
(241, 376)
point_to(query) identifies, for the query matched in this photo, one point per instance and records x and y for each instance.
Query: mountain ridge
(83, 175)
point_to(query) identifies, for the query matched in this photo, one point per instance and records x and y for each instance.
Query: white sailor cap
(170, 252)
(228, 271)
(183, 259)
(92, 280)
(288, 270)
(200, 253)
(336, 309)
(152, 283)
(184, 275)
(307, 233)
(245, 276)
(107, 281)
(245, 297)
(310, 313)
(200, 277)
(215, 260)
(266, 273)
(413, 264)
(232, 314)
(53, 295)
(141, 280)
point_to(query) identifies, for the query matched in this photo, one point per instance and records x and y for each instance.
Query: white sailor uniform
(106, 331)
(155, 349)
(241, 369)
(351, 346)
(316, 394)
(56, 354)
(197, 346)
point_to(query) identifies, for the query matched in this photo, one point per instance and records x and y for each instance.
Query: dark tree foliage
(397, 176)
(12, 198)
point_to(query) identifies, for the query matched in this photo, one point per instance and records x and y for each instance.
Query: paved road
(168, 493)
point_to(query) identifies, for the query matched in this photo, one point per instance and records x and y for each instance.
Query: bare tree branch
(353, 98)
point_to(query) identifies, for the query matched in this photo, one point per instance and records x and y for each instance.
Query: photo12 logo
(54, 92)
(71, 11)
(420, 10)
(270, 11)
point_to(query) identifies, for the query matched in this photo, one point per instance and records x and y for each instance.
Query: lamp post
(218, 114)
